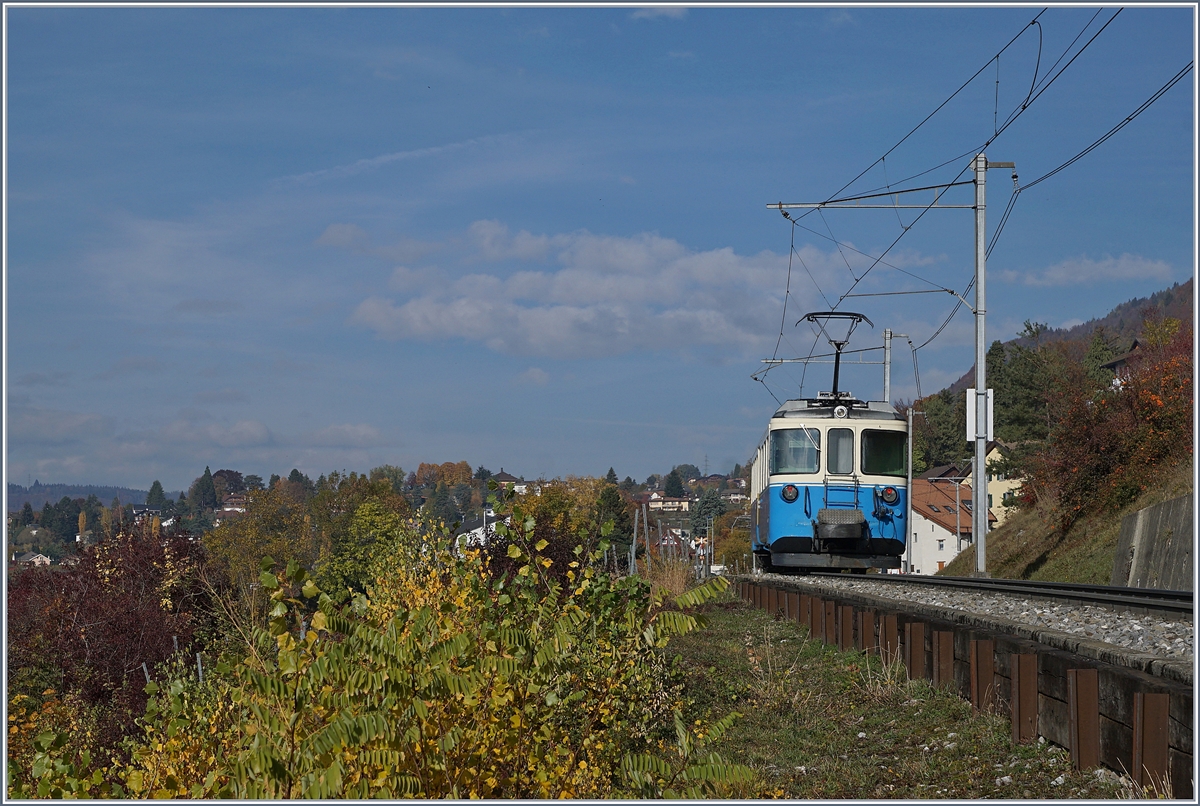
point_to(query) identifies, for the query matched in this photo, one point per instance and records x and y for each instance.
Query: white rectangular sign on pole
(971, 404)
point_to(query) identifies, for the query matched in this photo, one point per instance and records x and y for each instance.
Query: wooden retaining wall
(1109, 715)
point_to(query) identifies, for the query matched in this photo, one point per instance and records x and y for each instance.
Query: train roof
(822, 408)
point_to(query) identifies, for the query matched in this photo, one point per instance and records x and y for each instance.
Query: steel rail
(1107, 595)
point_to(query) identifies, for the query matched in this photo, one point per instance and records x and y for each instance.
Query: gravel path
(1140, 633)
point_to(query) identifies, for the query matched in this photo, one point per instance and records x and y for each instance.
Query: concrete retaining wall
(1155, 547)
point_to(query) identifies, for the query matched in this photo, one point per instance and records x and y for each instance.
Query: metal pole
(646, 534)
(908, 504)
(957, 516)
(979, 506)
(887, 365)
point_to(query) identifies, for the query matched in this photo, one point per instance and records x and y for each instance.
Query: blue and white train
(829, 483)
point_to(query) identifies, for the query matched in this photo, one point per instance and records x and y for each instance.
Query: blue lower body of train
(855, 526)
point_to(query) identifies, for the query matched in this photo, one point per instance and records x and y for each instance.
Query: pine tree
(610, 506)
(611, 478)
(710, 505)
(203, 495)
(156, 498)
(673, 485)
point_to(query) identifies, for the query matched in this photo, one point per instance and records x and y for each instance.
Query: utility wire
(1129, 119)
(1092, 147)
(1033, 96)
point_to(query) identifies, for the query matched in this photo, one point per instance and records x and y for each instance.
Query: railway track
(1171, 604)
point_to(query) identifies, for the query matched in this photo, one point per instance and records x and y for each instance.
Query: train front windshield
(883, 453)
(795, 450)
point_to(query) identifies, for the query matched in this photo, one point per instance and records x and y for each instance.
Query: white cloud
(196, 431)
(535, 376)
(220, 396)
(347, 435)
(207, 307)
(839, 18)
(36, 425)
(356, 239)
(345, 235)
(1081, 270)
(656, 12)
(594, 295)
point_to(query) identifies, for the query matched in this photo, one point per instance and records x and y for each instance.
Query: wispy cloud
(658, 12)
(838, 19)
(221, 396)
(346, 435)
(55, 378)
(207, 307)
(1081, 270)
(356, 239)
(374, 163)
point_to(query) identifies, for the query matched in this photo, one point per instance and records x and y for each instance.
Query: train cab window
(883, 453)
(841, 451)
(795, 450)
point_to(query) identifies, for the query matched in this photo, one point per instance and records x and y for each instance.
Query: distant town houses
(665, 503)
(736, 496)
(31, 558)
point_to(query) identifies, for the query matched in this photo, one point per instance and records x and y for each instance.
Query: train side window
(795, 450)
(883, 453)
(841, 451)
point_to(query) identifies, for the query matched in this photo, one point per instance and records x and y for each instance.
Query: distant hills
(1122, 324)
(39, 494)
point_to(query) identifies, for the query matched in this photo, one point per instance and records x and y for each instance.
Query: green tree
(612, 507)
(710, 505)
(253, 482)
(1028, 375)
(203, 493)
(611, 478)
(347, 569)
(394, 474)
(687, 472)
(441, 506)
(156, 498)
(673, 486)
(1100, 351)
(941, 436)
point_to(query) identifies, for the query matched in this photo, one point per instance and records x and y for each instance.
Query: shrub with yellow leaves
(444, 680)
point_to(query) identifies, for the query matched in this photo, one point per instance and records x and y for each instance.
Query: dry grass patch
(821, 723)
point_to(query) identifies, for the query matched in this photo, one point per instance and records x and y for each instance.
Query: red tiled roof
(941, 495)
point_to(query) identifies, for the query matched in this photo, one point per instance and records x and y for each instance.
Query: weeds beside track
(820, 723)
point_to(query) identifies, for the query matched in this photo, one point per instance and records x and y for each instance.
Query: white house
(941, 524)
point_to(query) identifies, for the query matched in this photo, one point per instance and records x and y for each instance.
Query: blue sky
(266, 238)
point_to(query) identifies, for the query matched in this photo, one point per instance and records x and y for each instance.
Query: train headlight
(790, 493)
(890, 495)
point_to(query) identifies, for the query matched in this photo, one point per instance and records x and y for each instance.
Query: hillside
(39, 494)
(1029, 546)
